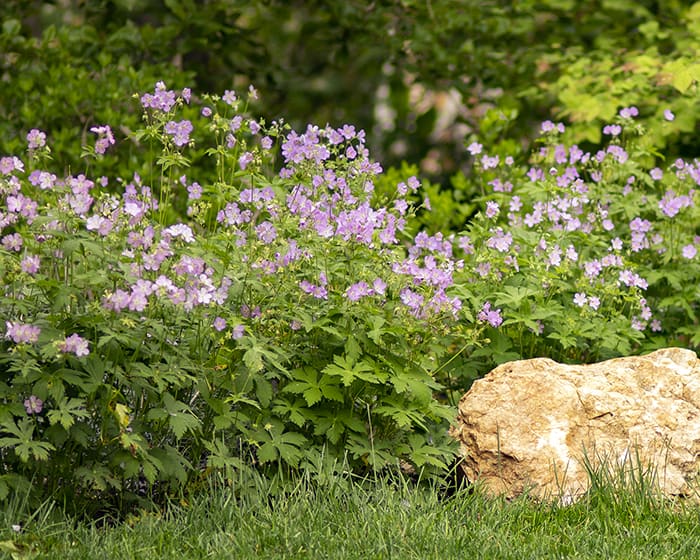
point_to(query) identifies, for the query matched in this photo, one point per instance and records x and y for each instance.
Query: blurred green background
(420, 76)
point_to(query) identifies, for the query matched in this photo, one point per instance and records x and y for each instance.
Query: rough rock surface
(534, 425)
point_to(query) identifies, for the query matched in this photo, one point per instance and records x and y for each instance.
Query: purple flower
(656, 174)
(640, 225)
(266, 232)
(36, 139)
(33, 405)
(612, 130)
(580, 299)
(500, 240)
(549, 126)
(618, 153)
(75, 344)
(411, 299)
(357, 291)
(219, 324)
(379, 286)
(206, 111)
(229, 97)
(668, 115)
(238, 332)
(179, 131)
(236, 123)
(180, 230)
(9, 164)
(489, 162)
(30, 264)
(629, 112)
(319, 292)
(186, 94)
(21, 332)
(490, 316)
(194, 191)
(105, 138)
(492, 209)
(594, 302)
(12, 242)
(245, 159)
(689, 251)
(161, 99)
(474, 148)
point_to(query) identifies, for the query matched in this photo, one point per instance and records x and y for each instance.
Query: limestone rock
(534, 425)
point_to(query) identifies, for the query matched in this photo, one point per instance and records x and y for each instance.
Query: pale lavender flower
(612, 130)
(656, 174)
(36, 139)
(492, 209)
(161, 99)
(245, 159)
(474, 148)
(8, 164)
(236, 123)
(379, 286)
(490, 316)
(489, 162)
(229, 97)
(618, 153)
(194, 191)
(689, 251)
(580, 299)
(629, 112)
(357, 291)
(105, 138)
(266, 232)
(500, 240)
(179, 131)
(668, 115)
(237, 332)
(180, 230)
(594, 302)
(33, 405)
(75, 344)
(12, 242)
(22, 332)
(30, 264)
(219, 324)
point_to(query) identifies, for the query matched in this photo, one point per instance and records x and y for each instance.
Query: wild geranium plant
(582, 256)
(157, 328)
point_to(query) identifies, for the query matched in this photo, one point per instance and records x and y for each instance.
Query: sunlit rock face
(538, 426)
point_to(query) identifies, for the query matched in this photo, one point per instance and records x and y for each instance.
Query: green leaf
(295, 410)
(313, 388)
(180, 417)
(349, 371)
(67, 411)
(333, 424)
(23, 442)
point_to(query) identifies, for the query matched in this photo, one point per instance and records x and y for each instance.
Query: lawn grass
(345, 518)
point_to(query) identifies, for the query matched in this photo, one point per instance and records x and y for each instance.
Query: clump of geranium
(585, 251)
(154, 327)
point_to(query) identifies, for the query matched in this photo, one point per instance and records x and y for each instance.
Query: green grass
(345, 519)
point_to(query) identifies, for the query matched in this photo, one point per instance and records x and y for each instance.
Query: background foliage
(418, 76)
